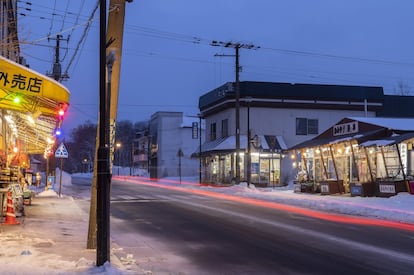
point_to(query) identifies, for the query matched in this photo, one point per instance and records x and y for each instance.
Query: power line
(64, 15)
(83, 37)
(346, 58)
(150, 32)
(51, 23)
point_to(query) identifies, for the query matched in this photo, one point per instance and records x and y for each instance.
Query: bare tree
(402, 88)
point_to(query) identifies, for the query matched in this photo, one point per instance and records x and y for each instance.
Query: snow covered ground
(20, 251)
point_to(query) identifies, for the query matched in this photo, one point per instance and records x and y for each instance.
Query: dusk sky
(168, 62)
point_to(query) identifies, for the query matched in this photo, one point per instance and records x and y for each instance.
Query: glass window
(306, 126)
(225, 128)
(213, 131)
(312, 126)
(301, 126)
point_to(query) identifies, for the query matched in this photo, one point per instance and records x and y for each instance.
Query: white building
(280, 116)
(173, 138)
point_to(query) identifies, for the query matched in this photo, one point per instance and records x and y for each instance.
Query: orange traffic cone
(10, 216)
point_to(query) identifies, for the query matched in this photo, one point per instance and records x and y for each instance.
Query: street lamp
(85, 165)
(118, 146)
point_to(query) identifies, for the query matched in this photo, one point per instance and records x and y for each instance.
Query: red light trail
(274, 205)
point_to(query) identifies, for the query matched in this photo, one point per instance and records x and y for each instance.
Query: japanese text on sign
(21, 82)
(346, 128)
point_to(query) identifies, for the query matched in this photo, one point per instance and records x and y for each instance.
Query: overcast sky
(168, 62)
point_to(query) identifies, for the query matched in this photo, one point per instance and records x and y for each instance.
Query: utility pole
(236, 46)
(103, 175)
(57, 67)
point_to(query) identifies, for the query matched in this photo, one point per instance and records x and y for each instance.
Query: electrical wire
(339, 57)
(51, 23)
(83, 37)
(150, 32)
(191, 39)
(64, 15)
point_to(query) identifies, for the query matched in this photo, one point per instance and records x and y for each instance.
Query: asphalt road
(175, 232)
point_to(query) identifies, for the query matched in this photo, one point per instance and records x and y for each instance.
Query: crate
(329, 187)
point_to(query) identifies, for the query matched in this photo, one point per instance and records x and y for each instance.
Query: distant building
(165, 148)
(141, 147)
(280, 116)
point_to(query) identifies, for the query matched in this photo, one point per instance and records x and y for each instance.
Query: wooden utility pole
(236, 46)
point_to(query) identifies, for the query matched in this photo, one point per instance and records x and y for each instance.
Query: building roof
(274, 90)
(401, 124)
(267, 143)
(394, 139)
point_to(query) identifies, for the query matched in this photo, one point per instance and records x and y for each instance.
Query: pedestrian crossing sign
(61, 152)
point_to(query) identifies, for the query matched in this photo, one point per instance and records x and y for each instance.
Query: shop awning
(387, 141)
(264, 143)
(358, 138)
(30, 103)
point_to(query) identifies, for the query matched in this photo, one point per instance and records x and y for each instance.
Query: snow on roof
(230, 143)
(282, 143)
(377, 142)
(404, 124)
(345, 139)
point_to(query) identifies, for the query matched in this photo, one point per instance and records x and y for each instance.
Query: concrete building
(170, 141)
(278, 116)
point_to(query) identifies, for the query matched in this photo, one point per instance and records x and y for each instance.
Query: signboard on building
(345, 128)
(195, 130)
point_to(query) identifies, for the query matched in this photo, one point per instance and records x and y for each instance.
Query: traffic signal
(61, 113)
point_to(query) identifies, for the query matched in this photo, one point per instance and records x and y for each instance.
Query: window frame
(213, 131)
(303, 126)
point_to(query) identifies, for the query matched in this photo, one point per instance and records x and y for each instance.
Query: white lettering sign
(403, 152)
(346, 128)
(387, 188)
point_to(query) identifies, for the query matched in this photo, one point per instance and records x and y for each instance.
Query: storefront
(219, 160)
(358, 156)
(32, 108)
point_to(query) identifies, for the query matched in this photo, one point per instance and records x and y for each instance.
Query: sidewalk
(51, 238)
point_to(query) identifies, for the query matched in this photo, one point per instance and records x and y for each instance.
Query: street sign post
(61, 153)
